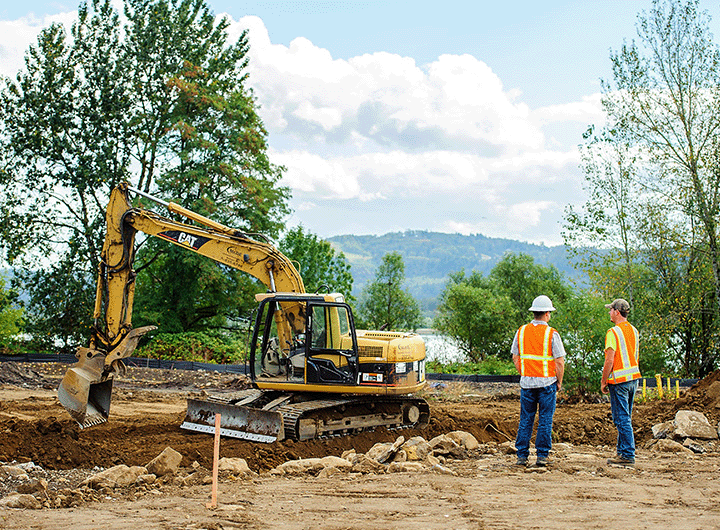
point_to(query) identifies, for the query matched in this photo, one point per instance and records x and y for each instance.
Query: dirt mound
(21, 374)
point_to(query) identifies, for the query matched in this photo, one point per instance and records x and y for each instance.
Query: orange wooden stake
(216, 457)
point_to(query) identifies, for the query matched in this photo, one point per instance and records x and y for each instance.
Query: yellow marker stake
(677, 389)
(658, 382)
(669, 391)
(644, 389)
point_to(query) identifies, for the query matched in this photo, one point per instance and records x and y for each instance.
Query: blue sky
(444, 116)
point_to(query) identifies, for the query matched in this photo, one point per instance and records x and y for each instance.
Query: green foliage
(11, 314)
(323, 269)
(162, 90)
(207, 347)
(481, 314)
(582, 325)
(384, 304)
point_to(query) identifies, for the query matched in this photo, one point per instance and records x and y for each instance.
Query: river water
(440, 348)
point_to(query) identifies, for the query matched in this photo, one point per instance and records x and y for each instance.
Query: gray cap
(619, 304)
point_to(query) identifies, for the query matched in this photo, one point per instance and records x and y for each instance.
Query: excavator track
(304, 416)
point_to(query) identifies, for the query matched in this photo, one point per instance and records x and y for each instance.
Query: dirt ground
(484, 491)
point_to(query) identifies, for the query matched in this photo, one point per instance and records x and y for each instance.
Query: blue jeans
(532, 399)
(622, 397)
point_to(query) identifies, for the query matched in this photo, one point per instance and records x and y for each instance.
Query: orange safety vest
(625, 365)
(535, 348)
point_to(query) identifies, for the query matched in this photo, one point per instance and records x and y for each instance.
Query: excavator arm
(86, 389)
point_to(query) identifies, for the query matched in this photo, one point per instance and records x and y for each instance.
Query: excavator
(313, 374)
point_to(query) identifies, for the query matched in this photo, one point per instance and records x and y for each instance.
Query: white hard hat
(542, 303)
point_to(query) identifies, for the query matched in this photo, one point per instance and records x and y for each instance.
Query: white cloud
(379, 130)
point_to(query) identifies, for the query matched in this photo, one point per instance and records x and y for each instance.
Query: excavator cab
(304, 339)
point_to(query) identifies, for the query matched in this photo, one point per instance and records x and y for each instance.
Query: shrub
(204, 346)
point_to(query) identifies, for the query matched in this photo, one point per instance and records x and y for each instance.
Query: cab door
(332, 353)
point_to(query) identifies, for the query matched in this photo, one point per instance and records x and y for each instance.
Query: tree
(654, 182)
(476, 316)
(383, 302)
(158, 100)
(322, 268)
(11, 320)
(481, 314)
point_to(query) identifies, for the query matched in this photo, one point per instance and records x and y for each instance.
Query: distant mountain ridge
(430, 256)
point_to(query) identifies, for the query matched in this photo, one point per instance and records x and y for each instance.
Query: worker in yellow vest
(539, 356)
(620, 378)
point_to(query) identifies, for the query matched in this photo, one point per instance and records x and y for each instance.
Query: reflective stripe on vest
(625, 365)
(535, 350)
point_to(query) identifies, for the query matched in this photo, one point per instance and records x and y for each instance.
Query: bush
(204, 346)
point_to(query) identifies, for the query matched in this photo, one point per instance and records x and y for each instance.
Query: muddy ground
(579, 490)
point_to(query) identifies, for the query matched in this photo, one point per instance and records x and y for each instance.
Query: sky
(458, 117)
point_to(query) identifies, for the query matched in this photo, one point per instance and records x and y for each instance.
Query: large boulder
(692, 424)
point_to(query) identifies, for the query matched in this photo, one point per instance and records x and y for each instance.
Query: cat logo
(181, 238)
(186, 239)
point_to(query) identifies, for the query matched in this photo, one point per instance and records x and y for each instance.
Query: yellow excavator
(313, 373)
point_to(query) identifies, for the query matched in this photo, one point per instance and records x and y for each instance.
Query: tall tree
(661, 108)
(158, 100)
(384, 303)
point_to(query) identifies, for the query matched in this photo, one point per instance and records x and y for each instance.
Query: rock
(464, 440)
(692, 424)
(442, 470)
(400, 456)
(694, 446)
(416, 448)
(236, 466)
(444, 445)
(115, 477)
(405, 467)
(383, 452)
(21, 501)
(298, 467)
(335, 462)
(508, 448)
(367, 465)
(166, 462)
(34, 486)
(669, 446)
(663, 430)
(15, 472)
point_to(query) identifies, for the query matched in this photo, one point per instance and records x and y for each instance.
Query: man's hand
(604, 388)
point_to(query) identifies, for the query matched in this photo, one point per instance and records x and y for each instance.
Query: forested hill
(430, 256)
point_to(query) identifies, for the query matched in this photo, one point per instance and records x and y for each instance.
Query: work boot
(620, 460)
(522, 462)
(542, 461)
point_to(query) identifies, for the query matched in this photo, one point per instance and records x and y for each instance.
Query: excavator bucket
(84, 393)
(86, 389)
(246, 423)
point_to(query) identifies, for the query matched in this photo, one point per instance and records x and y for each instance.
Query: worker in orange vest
(539, 356)
(620, 378)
